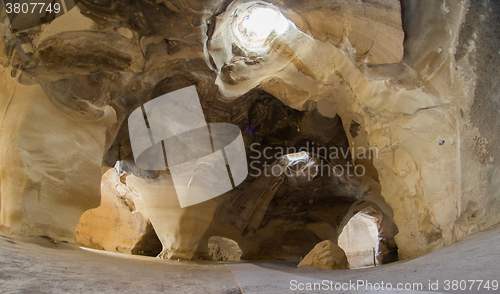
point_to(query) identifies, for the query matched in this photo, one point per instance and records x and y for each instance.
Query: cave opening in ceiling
(258, 23)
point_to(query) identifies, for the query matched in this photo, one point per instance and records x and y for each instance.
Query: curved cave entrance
(224, 249)
(295, 196)
(360, 240)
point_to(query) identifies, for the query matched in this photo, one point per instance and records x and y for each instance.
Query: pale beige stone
(179, 229)
(51, 162)
(72, 21)
(119, 223)
(327, 255)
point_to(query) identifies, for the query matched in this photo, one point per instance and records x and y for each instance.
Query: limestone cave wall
(407, 87)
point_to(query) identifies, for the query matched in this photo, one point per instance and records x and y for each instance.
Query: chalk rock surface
(120, 223)
(327, 255)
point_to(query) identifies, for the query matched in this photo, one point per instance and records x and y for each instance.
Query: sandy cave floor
(61, 268)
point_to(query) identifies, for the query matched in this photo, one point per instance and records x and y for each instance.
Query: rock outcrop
(223, 249)
(50, 163)
(120, 223)
(179, 229)
(327, 255)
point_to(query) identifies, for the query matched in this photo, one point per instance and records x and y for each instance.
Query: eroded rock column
(120, 223)
(50, 168)
(179, 229)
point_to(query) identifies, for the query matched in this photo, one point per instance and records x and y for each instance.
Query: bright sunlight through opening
(256, 24)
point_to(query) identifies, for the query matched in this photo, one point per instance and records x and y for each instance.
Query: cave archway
(359, 239)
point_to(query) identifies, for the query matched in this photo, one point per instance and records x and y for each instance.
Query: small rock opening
(258, 23)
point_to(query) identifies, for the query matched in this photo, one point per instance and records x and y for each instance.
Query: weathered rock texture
(50, 162)
(327, 255)
(413, 80)
(179, 229)
(120, 223)
(223, 249)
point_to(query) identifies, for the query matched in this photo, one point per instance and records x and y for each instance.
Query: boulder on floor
(327, 255)
(223, 249)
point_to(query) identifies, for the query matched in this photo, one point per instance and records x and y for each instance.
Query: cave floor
(61, 268)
